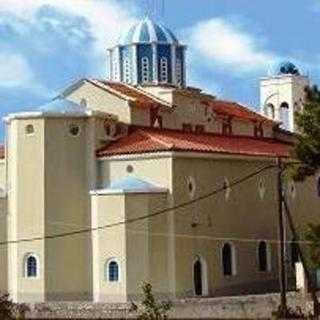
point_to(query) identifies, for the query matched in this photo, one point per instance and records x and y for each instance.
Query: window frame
(204, 276)
(25, 266)
(268, 257)
(284, 117)
(107, 271)
(145, 69)
(233, 260)
(164, 76)
(270, 107)
(127, 76)
(27, 132)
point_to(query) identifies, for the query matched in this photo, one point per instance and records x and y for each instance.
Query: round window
(129, 168)
(74, 130)
(29, 129)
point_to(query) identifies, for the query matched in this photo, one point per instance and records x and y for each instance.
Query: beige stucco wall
(3, 174)
(147, 244)
(219, 218)
(3, 247)
(154, 170)
(101, 100)
(245, 216)
(25, 207)
(108, 244)
(140, 248)
(67, 208)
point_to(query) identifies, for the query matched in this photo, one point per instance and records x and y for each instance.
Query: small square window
(29, 129)
(74, 130)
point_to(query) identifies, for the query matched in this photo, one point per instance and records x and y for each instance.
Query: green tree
(10, 310)
(150, 309)
(312, 235)
(307, 149)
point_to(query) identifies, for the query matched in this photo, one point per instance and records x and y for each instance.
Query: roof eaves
(70, 88)
(105, 87)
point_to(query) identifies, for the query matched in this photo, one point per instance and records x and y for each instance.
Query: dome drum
(148, 54)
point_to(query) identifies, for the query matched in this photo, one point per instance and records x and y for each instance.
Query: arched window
(200, 276)
(284, 115)
(228, 260)
(164, 69)
(263, 256)
(179, 71)
(270, 111)
(145, 69)
(127, 70)
(197, 277)
(31, 266)
(112, 271)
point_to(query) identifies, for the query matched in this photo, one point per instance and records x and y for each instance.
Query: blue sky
(47, 44)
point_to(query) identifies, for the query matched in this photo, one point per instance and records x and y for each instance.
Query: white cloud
(14, 71)
(227, 45)
(105, 18)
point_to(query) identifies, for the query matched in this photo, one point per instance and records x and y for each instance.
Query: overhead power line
(147, 216)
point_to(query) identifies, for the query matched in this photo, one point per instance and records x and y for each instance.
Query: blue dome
(62, 106)
(132, 184)
(147, 31)
(288, 67)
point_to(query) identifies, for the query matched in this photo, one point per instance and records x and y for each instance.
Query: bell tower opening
(282, 94)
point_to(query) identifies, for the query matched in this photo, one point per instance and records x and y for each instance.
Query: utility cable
(143, 217)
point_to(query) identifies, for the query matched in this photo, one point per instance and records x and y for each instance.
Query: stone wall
(241, 307)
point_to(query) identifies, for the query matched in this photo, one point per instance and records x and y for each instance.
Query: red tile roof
(140, 98)
(2, 152)
(144, 140)
(147, 100)
(236, 110)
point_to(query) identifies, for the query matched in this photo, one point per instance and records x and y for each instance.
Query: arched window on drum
(145, 69)
(163, 69)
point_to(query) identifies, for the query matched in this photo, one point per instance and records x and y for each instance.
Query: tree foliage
(10, 310)
(150, 309)
(307, 148)
(312, 235)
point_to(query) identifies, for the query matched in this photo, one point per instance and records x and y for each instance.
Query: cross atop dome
(148, 54)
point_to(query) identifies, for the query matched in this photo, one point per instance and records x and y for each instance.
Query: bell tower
(282, 94)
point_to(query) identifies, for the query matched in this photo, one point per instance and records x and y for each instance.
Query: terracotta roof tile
(236, 110)
(140, 98)
(147, 100)
(144, 140)
(2, 152)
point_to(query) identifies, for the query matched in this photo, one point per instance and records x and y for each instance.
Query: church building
(140, 177)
